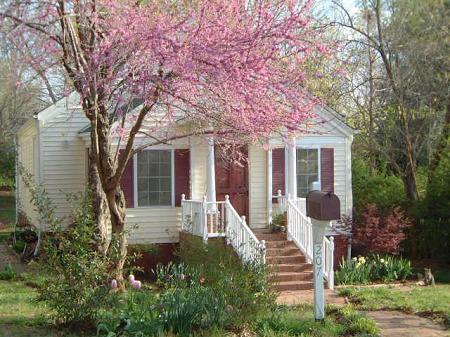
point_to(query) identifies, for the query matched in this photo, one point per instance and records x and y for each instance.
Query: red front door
(232, 179)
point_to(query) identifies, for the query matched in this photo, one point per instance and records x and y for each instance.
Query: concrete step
(294, 268)
(282, 251)
(274, 260)
(293, 276)
(294, 285)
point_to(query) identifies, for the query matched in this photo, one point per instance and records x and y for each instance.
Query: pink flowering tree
(234, 69)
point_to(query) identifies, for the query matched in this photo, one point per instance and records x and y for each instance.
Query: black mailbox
(323, 206)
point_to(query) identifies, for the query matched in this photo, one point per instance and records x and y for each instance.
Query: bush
(379, 188)
(7, 273)
(374, 268)
(245, 287)
(77, 284)
(379, 233)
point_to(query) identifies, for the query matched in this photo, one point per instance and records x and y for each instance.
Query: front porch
(210, 218)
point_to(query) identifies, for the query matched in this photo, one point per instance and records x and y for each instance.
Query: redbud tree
(233, 69)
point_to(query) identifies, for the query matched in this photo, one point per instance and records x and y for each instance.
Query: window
(307, 170)
(154, 178)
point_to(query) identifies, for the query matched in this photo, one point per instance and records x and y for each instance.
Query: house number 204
(318, 258)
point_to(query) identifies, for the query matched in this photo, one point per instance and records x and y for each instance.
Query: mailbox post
(321, 207)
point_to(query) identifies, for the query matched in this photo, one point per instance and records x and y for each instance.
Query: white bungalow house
(185, 186)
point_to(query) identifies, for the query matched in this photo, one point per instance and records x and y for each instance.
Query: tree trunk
(99, 206)
(118, 246)
(410, 183)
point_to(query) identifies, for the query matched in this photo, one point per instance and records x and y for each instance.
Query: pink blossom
(131, 278)
(113, 284)
(136, 284)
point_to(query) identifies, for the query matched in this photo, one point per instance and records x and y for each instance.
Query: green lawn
(433, 301)
(7, 211)
(21, 315)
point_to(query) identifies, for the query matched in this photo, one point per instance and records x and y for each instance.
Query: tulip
(114, 284)
(137, 284)
(131, 278)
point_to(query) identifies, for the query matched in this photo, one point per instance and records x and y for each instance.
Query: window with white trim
(307, 170)
(154, 178)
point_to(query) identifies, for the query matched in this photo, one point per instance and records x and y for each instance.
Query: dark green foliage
(7, 273)
(7, 210)
(433, 217)
(379, 188)
(374, 268)
(7, 163)
(246, 288)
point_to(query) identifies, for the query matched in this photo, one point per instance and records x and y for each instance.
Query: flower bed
(372, 269)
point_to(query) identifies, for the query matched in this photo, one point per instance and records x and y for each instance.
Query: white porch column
(292, 169)
(269, 187)
(211, 177)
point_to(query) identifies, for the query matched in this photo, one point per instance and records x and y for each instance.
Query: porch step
(269, 237)
(280, 244)
(282, 251)
(295, 285)
(280, 259)
(295, 268)
(288, 264)
(293, 276)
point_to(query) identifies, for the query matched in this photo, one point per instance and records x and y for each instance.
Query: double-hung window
(307, 170)
(154, 178)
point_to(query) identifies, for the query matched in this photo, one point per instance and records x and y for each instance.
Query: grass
(424, 301)
(299, 321)
(7, 212)
(21, 315)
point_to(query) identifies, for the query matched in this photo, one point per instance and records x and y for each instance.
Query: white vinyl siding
(257, 175)
(28, 157)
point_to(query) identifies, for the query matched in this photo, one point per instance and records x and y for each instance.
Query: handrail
(299, 229)
(223, 221)
(242, 238)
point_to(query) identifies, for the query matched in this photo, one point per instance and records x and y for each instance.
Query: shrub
(7, 273)
(245, 287)
(363, 270)
(377, 187)
(377, 233)
(77, 275)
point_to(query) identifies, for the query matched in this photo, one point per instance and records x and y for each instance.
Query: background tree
(400, 90)
(233, 69)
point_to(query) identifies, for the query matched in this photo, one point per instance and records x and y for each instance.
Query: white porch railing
(223, 222)
(280, 205)
(299, 230)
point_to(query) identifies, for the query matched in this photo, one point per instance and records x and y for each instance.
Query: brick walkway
(398, 324)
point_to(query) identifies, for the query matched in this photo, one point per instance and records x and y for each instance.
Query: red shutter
(127, 182)
(278, 169)
(327, 169)
(182, 173)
